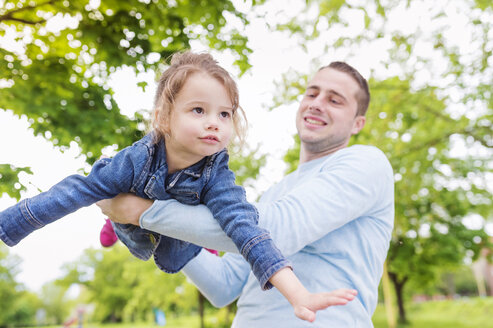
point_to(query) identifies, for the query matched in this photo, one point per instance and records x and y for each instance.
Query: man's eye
(198, 110)
(334, 101)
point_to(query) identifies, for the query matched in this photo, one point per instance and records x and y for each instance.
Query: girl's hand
(304, 303)
(311, 303)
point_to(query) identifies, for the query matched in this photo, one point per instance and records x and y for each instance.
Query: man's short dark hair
(363, 95)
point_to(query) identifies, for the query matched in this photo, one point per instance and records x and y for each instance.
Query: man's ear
(358, 124)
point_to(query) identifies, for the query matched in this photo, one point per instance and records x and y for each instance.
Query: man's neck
(306, 155)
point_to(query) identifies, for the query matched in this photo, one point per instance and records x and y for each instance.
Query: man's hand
(124, 208)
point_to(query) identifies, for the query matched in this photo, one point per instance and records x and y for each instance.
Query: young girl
(196, 112)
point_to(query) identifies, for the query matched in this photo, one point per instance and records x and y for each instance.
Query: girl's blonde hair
(182, 66)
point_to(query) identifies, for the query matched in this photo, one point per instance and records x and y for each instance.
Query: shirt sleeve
(355, 182)
(352, 183)
(219, 279)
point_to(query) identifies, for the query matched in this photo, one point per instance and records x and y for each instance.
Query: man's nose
(316, 104)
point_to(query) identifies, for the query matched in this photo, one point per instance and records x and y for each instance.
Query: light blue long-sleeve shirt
(332, 217)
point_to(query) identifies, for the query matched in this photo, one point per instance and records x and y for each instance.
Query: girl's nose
(212, 124)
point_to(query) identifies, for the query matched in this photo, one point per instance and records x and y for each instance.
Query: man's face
(326, 118)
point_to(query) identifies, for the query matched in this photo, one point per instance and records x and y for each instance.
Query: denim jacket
(142, 169)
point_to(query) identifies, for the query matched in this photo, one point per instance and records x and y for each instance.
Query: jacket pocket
(185, 196)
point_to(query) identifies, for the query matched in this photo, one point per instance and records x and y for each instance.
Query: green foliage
(246, 164)
(9, 177)
(18, 306)
(459, 313)
(429, 230)
(292, 157)
(55, 303)
(125, 289)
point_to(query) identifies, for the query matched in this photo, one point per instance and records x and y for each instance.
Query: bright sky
(44, 251)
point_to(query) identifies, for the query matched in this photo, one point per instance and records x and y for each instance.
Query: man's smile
(314, 121)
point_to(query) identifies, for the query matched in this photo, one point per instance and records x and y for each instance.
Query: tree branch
(20, 20)
(427, 144)
(9, 15)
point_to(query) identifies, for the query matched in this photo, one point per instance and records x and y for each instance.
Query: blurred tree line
(431, 109)
(111, 285)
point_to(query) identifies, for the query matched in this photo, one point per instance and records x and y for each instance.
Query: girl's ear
(162, 121)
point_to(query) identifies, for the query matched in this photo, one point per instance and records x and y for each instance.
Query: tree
(125, 289)
(55, 302)
(431, 113)
(59, 54)
(10, 177)
(18, 306)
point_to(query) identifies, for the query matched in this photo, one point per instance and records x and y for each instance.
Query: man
(332, 217)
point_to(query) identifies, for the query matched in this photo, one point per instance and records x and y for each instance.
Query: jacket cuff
(265, 259)
(16, 222)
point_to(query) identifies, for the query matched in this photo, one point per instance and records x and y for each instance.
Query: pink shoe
(107, 236)
(213, 251)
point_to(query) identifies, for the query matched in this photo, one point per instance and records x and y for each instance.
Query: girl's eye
(225, 115)
(198, 110)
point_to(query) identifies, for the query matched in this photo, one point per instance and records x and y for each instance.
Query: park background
(77, 79)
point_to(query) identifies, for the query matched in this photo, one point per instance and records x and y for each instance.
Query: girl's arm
(221, 280)
(238, 218)
(107, 178)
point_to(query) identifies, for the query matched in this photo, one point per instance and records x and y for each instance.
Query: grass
(171, 322)
(461, 313)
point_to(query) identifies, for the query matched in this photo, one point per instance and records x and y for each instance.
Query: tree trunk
(399, 286)
(201, 310)
(387, 296)
(450, 283)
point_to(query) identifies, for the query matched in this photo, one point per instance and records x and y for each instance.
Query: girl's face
(201, 121)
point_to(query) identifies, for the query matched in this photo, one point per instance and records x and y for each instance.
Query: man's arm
(353, 183)
(219, 279)
(160, 213)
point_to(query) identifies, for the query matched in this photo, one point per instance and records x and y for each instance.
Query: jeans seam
(28, 216)
(252, 242)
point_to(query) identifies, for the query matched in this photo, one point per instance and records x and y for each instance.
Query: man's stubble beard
(323, 145)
